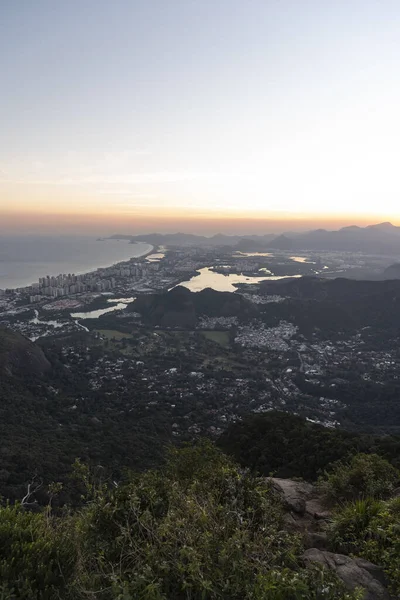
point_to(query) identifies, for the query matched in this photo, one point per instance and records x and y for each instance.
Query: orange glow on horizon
(108, 222)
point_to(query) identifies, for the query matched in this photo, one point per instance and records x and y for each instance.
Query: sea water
(23, 259)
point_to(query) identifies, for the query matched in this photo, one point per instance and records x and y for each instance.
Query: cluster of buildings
(274, 338)
(102, 280)
(133, 269)
(64, 285)
(267, 299)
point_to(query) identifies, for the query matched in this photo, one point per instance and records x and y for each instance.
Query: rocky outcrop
(19, 356)
(354, 572)
(306, 514)
(306, 511)
(295, 494)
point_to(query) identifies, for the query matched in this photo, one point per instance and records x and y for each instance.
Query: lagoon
(224, 283)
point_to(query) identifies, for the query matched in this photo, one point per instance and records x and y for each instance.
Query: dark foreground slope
(201, 528)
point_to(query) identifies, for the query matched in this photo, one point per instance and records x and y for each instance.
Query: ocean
(23, 259)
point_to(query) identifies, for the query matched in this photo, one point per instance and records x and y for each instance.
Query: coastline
(84, 271)
(142, 255)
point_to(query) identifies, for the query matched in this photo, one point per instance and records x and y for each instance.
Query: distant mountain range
(382, 238)
(189, 239)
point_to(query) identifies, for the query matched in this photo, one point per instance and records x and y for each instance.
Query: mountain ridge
(379, 238)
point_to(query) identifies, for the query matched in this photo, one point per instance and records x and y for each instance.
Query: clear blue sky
(268, 106)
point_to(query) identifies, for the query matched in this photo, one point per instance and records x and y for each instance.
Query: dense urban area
(204, 368)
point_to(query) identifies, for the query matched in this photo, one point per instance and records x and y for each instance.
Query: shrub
(36, 557)
(201, 529)
(350, 526)
(372, 530)
(307, 584)
(364, 476)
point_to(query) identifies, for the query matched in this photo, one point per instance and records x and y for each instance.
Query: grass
(113, 334)
(220, 337)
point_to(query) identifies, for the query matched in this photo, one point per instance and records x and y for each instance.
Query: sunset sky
(203, 115)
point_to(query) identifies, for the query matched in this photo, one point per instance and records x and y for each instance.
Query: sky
(202, 115)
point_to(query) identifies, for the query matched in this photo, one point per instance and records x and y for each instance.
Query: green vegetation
(37, 555)
(220, 337)
(366, 521)
(200, 529)
(363, 476)
(290, 446)
(113, 334)
(371, 529)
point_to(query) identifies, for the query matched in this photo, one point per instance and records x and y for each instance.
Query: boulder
(374, 570)
(293, 493)
(353, 572)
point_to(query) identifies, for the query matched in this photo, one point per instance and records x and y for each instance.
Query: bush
(36, 557)
(350, 525)
(308, 584)
(371, 529)
(364, 476)
(201, 529)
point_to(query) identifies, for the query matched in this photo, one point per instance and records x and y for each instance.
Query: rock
(294, 493)
(353, 572)
(316, 540)
(293, 523)
(374, 570)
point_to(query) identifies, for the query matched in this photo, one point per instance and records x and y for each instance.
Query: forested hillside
(289, 446)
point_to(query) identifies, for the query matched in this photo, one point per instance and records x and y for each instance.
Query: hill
(189, 239)
(392, 272)
(341, 304)
(380, 238)
(182, 308)
(19, 356)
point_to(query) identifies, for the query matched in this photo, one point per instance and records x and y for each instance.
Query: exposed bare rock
(316, 540)
(294, 493)
(353, 572)
(374, 570)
